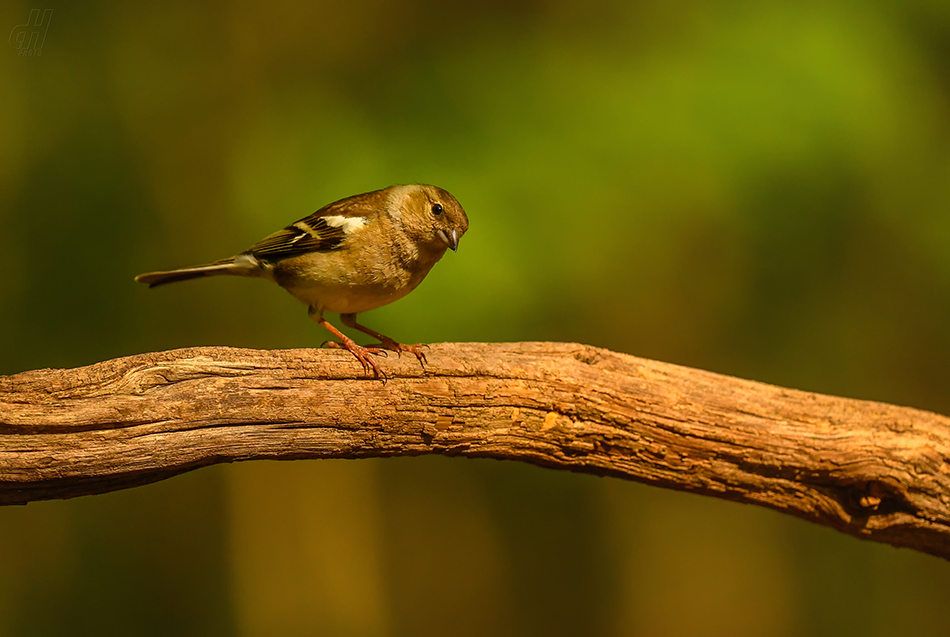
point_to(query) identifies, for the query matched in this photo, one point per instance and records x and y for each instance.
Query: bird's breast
(332, 282)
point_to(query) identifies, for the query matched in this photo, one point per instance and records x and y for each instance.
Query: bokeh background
(759, 188)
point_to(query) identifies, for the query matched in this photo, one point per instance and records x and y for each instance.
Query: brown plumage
(351, 256)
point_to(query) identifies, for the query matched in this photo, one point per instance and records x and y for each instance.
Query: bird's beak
(451, 239)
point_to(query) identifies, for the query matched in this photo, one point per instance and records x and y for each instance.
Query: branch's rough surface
(875, 471)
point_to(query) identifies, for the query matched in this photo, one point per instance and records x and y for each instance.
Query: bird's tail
(240, 265)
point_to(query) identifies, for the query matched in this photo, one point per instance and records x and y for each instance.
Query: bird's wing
(307, 235)
(324, 230)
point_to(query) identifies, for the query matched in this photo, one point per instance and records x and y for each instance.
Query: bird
(349, 257)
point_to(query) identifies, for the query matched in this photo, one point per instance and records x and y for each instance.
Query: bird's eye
(437, 209)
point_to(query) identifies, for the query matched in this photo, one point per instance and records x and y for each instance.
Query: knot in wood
(869, 496)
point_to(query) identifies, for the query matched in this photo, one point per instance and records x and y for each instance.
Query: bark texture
(875, 471)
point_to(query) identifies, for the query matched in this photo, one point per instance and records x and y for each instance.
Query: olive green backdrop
(760, 189)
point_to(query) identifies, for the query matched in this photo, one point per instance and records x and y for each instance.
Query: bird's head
(431, 216)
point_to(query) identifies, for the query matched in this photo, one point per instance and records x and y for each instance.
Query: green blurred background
(760, 188)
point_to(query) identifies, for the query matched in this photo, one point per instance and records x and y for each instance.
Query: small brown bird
(351, 256)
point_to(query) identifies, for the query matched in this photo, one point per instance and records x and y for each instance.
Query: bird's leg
(384, 341)
(361, 353)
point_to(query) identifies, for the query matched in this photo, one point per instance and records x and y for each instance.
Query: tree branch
(875, 471)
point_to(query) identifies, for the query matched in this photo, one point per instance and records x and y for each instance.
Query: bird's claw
(399, 348)
(362, 354)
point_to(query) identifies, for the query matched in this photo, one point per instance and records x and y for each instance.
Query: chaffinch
(351, 256)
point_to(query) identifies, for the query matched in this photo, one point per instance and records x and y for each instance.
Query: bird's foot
(387, 343)
(362, 354)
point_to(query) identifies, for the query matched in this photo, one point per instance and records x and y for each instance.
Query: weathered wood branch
(876, 471)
